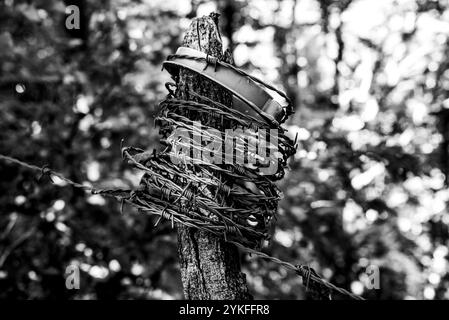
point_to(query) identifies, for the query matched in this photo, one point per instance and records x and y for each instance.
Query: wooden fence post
(210, 267)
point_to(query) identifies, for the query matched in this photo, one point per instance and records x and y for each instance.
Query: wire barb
(211, 60)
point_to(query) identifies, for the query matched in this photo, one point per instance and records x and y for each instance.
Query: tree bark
(210, 267)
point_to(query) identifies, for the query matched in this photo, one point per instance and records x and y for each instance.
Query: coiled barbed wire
(234, 201)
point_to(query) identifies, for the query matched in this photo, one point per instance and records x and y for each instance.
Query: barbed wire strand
(45, 170)
(301, 270)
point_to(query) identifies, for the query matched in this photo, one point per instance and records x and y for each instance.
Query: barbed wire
(46, 171)
(235, 202)
(308, 275)
(216, 62)
(306, 272)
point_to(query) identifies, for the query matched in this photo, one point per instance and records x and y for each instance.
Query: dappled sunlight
(366, 186)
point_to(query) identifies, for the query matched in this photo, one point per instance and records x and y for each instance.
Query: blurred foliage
(369, 80)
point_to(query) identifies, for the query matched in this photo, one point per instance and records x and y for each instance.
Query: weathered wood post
(210, 267)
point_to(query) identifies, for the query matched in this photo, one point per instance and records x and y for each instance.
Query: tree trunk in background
(228, 9)
(210, 268)
(285, 42)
